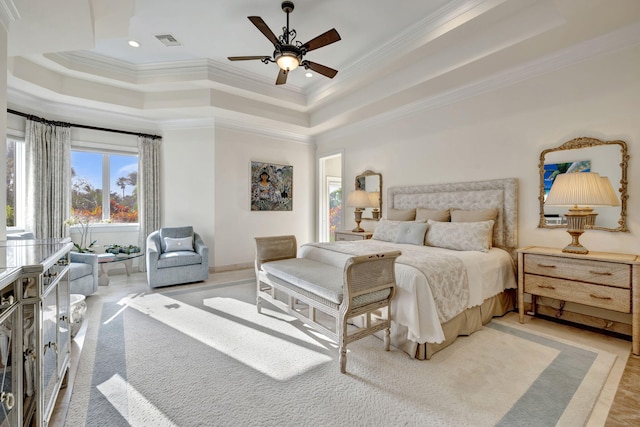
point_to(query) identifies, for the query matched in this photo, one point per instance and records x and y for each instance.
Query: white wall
(502, 133)
(187, 189)
(235, 224)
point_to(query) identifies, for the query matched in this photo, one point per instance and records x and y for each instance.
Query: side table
(352, 235)
(597, 279)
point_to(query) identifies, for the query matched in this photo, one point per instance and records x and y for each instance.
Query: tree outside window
(90, 184)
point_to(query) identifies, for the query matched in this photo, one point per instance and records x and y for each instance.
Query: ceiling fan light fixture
(288, 61)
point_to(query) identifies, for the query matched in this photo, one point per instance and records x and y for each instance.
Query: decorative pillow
(178, 244)
(387, 229)
(459, 215)
(411, 232)
(460, 236)
(433, 214)
(401, 214)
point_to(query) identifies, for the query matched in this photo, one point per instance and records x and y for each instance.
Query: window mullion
(106, 190)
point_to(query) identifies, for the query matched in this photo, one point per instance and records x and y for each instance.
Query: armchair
(83, 273)
(176, 255)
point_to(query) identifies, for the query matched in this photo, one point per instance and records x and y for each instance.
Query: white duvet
(413, 305)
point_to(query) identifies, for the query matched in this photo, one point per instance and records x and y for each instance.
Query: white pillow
(460, 236)
(387, 229)
(178, 244)
(411, 232)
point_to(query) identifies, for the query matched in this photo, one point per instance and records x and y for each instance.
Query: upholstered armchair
(176, 255)
(83, 273)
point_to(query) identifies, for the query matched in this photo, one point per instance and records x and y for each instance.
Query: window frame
(20, 190)
(107, 151)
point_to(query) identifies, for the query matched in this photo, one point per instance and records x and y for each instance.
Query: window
(104, 186)
(15, 184)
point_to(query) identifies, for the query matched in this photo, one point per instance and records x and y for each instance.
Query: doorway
(330, 196)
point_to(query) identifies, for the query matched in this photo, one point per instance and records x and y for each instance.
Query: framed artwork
(551, 170)
(271, 187)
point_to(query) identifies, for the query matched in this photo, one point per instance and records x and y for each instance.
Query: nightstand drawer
(616, 299)
(351, 235)
(600, 272)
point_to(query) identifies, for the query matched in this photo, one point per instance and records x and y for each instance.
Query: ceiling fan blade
(282, 77)
(319, 68)
(264, 28)
(247, 58)
(324, 39)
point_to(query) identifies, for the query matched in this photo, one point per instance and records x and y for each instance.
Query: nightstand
(352, 235)
(597, 279)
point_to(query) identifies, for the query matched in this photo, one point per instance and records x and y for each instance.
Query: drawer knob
(546, 266)
(547, 287)
(598, 297)
(601, 273)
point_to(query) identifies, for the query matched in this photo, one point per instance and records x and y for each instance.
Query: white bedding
(413, 305)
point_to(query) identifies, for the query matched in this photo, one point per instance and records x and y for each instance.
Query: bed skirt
(466, 323)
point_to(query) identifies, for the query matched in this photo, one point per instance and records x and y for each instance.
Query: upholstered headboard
(497, 193)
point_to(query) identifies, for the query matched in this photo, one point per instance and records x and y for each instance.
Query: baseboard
(231, 267)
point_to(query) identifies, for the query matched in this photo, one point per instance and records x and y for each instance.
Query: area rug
(201, 355)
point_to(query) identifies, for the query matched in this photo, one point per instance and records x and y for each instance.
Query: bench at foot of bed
(365, 285)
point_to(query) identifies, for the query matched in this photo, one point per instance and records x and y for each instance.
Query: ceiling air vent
(168, 40)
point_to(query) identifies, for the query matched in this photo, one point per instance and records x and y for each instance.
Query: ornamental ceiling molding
(624, 38)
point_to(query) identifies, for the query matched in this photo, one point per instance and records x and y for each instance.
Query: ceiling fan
(289, 54)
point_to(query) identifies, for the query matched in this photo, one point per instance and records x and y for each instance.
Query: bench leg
(343, 359)
(258, 299)
(387, 338)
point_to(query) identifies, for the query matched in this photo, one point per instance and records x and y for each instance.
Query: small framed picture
(271, 187)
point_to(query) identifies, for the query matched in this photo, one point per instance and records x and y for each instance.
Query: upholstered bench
(365, 285)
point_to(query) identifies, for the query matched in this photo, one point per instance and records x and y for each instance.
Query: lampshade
(374, 199)
(288, 61)
(612, 193)
(358, 199)
(579, 188)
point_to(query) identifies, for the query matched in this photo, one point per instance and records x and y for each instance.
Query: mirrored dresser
(34, 328)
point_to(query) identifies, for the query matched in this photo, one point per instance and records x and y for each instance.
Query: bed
(456, 275)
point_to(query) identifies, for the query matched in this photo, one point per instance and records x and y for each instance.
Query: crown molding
(30, 104)
(244, 126)
(8, 13)
(624, 38)
(423, 31)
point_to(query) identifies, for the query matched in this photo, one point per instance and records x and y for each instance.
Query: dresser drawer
(610, 298)
(600, 272)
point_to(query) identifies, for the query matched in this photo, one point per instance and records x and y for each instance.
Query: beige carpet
(200, 355)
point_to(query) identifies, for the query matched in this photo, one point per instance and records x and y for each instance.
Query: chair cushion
(174, 233)
(79, 269)
(178, 259)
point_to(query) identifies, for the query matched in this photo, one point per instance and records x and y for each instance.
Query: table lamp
(574, 189)
(358, 199)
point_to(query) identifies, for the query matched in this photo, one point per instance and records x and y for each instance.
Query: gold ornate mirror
(371, 182)
(608, 158)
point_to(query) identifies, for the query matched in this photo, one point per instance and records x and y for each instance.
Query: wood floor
(625, 410)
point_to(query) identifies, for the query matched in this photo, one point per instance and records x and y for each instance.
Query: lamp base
(358, 219)
(576, 220)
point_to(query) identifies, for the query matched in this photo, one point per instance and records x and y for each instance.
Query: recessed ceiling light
(134, 43)
(308, 75)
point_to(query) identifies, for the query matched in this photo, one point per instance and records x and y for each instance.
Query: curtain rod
(52, 122)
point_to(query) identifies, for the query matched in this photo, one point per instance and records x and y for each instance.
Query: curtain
(148, 189)
(48, 181)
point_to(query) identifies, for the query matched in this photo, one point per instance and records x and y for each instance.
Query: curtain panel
(48, 178)
(148, 189)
